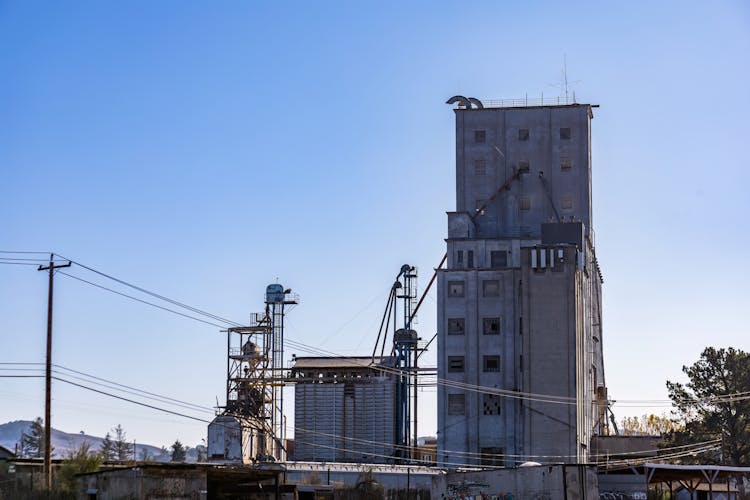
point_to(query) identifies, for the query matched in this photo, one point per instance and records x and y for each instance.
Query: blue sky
(204, 150)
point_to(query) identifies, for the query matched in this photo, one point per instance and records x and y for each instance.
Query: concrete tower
(519, 302)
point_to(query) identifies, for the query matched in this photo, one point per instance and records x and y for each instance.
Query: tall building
(519, 302)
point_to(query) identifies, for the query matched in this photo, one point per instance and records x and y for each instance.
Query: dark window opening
(498, 259)
(456, 404)
(491, 404)
(523, 134)
(456, 326)
(491, 326)
(455, 364)
(455, 289)
(460, 258)
(523, 166)
(566, 164)
(480, 136)
(492, 456)
(470, 259)
(490, 288)
(491, 364)
(480, 167)
(565, 133)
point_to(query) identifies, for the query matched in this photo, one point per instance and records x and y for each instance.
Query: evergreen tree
(714, 406)
(178, 452)
(32, 443)
(107, 449)
(123, 450)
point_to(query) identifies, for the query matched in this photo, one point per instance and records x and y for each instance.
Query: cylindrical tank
(274, 293)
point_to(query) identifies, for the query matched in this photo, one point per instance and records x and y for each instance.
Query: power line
(131, 400)
(688, 449)
(23, 252)
(154, 294)
(542, 398)
(136, 389)
(141, 300)
(120, 387)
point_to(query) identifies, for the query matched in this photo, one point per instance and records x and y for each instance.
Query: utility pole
(48, 374)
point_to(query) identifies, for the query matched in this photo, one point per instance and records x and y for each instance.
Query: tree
(145, 455)
(107, 448)
(123, 450)
(715, 405)
(32, 443)
(648, 425)
(77, 461)
(178, 452)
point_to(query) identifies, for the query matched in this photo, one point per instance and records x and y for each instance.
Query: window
(480, 167)
(523, 166)
(491, 326)
(524, 203)
(491, 363)
(498, 259)
(492, 456)
(456, 404)
(566, 163)
(470, 259)
(480, 136)
(490, 288)
(523, 134)
(491, 404)
(456, 326)
(460, 258)
(567, 203)
(455, 364)
(565, 133)
(455, 289)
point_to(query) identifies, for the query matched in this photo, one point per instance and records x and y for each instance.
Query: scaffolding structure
(251, 427)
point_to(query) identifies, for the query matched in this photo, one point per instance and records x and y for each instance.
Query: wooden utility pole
(48, 374)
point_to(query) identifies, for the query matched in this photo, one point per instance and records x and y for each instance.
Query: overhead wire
(544, 398)
(685, 450)
(142, 301)
(154, 294)
(60, 379)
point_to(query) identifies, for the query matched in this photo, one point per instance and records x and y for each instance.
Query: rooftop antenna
(564, 84)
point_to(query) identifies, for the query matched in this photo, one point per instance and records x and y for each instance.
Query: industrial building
(251, 426)
(344, 409)
(519, 302)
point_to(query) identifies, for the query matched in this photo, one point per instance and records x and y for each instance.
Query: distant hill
(62, 442)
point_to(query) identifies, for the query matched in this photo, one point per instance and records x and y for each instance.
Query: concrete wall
(551, 482)
(137, 482)
(544, 151)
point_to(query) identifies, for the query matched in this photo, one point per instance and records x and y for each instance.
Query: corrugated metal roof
(354, 362)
